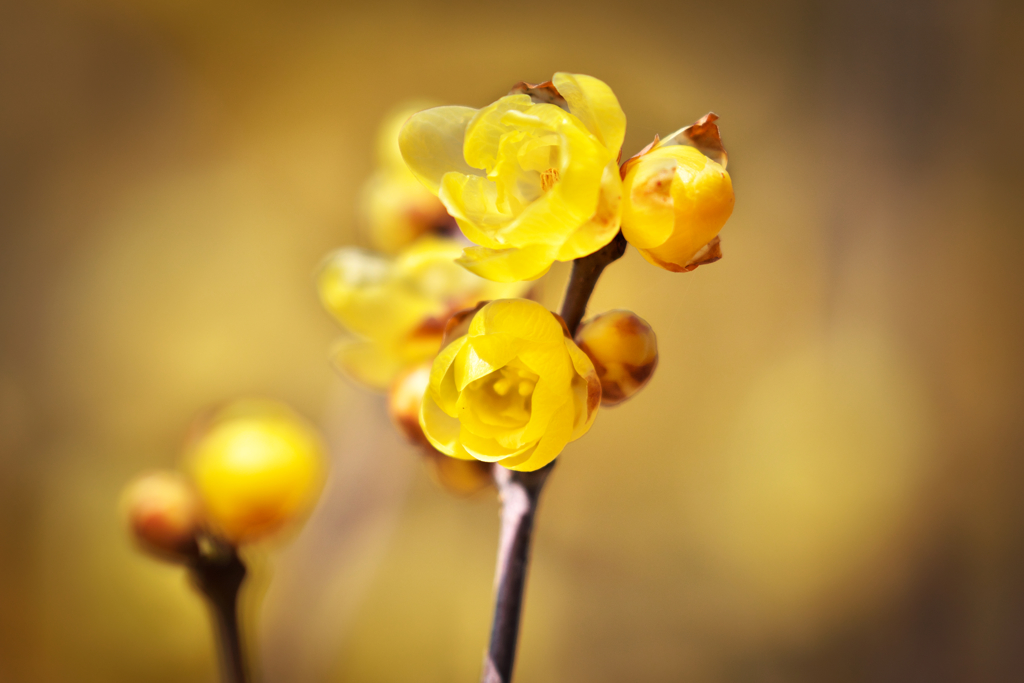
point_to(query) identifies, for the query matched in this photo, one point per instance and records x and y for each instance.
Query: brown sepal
(458, 323)
(703, 134)
(540, 93)
(709, 253)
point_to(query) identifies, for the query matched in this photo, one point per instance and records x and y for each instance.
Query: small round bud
(461, 477)
(404, 400)
(258, 467)
(163, 513)
(624, 350)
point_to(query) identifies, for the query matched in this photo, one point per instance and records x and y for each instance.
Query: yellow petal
(596, 105)
(602, 227)
(648, 216)
(473, 202)
(487, 449)
(369, 363)
(432, 144)
(441, 430)
(442, 377)
(485, 129)
(508, 265)
(586, 390)
(523, 318)
(550, 445)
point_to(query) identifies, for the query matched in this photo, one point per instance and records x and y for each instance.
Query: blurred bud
(461, 477)
(404, 401)
(396, 207)
(624, 350)
(163, 513)
(258, 467)
(677, 196)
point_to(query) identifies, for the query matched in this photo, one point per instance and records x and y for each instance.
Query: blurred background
(821, 483)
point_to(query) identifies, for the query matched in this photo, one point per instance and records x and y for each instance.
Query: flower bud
(258, 467)
(404, 400)
(163, 513)
(675, 199)
(461, 477)
(624, 351)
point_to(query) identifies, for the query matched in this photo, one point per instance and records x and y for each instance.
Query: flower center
(548, 178)
(503, 398)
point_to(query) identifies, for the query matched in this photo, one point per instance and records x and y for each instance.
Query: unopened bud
(624, 350)
(461, 477)
(163, 513)
(404, 400)
(676, 196)
(258, 467)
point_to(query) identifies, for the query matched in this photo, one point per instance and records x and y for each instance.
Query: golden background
(821, 483)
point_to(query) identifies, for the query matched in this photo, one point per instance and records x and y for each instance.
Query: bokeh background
(823, 482)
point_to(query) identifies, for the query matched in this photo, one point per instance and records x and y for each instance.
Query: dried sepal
(540, 93)
(703, 134)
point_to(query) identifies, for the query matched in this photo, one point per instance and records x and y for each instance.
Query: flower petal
(368, 362)
(508, 265)
(522, 318)
(596, 105)
(442, 382)
(601, 229)
(555, 438)
(432, 144)
(441, 430)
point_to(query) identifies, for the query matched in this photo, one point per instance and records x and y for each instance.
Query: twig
(520, 492)
(585, 273)
(218, 573)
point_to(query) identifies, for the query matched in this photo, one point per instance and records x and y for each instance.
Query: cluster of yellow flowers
(251, 469)
(531, 179)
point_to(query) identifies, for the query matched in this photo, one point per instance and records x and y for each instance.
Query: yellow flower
(624, 350)
(396, 207)
(163, 513)
(676, 200)
(397, 308)
(258, 467)
(513, 390)
(527, 180)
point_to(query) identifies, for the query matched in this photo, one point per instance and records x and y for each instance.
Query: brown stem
(218, 573)
(520, 492)
(585, 273)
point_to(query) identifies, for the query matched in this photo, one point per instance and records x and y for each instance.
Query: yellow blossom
(163, 512)
(624, 350)
(513, 390)
(395, 206)
(258, 467)
(396, 309)
(531, 179)
(676, 200)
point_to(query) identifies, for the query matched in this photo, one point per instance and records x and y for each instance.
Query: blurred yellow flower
(397, 308)
(513, 390)
(532, 178)
(624, 350)
(676, 200)
(258, 467)
(396, 207)
(163, 513)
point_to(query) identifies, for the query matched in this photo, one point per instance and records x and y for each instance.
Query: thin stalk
(520, 493)
(218, 573)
